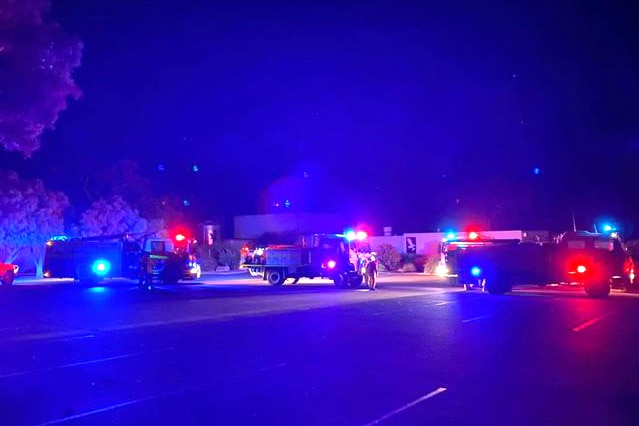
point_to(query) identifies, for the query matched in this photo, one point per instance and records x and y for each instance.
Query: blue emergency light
(101, 267)
(475, 271)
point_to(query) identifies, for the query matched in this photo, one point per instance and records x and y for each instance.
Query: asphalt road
(231, 350)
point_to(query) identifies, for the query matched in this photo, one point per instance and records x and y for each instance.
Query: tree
(29, 216)
(111, 216)
(37, 60)
(123, 180)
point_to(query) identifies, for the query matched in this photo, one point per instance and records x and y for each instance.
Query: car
(8, 273)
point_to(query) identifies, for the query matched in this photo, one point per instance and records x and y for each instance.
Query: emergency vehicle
(330, 256)
(95, 259)
(8, 273)
(596, 261)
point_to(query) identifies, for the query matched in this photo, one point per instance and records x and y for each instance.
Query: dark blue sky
(394, 109)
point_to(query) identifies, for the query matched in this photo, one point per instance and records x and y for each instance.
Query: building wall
(253, 226)
(427, 243)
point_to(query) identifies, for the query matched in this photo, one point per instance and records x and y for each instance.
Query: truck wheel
(497, 286)
(7, 278)
(339, 280)
(275, 277)
(170, 276)
(84, 276)
(356, 281)
(597, 290)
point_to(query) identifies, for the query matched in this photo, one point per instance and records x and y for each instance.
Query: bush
(389, 257)
(431, 262)
(633, 248)
(228, 258)
(408, 267)
(412, 262)
(227, 253)
(208, 264)
(420, 262)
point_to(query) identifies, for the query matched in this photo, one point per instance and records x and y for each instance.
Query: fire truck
(95, 259)
(329, 256)
(597, 261)
(8, 273)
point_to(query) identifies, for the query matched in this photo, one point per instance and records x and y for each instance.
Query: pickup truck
(596, 261)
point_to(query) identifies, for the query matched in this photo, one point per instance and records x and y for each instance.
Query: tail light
(580, 265)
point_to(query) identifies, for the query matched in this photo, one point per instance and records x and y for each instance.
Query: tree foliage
(29, 215)
(124, 180)
(111, 216)
(37, 60)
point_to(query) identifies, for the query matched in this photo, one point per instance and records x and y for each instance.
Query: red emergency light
(180, 237)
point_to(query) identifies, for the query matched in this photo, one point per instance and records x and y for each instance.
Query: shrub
(389, 257)
(208, 264)
(228, 258)
(430, 265)
(227, 253)
(420, 262)
(408, 267)
(633, 249)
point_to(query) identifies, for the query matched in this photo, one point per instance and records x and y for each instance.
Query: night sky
(410, 114)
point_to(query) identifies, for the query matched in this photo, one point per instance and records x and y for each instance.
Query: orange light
(180, 237)
(473, 236)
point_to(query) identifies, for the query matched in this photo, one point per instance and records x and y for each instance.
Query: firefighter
(146, 271)
(371, 272)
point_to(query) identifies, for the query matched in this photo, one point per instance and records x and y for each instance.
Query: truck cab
(599, 261)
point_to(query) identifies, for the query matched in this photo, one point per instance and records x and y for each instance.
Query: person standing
(371, 272)
(146, 272)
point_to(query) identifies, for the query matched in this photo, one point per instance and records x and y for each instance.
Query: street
(229, 349)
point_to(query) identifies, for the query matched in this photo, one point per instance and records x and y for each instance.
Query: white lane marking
(77, 364)
(476, 318)
(15, 328)
(272, 367)
(86, 336)
(407, 406)
(139, 400)
(588, 324)
(52, 335)
(388, 312)
(410, 309)
(102, 410)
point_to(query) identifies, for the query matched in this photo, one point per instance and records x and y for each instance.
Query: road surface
(232, 350)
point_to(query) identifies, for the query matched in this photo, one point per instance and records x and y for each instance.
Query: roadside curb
(225, 273)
